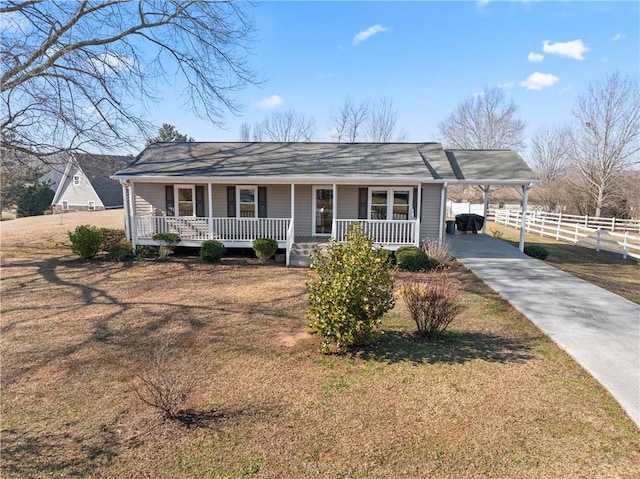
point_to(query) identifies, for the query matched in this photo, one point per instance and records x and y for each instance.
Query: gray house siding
(347, 201)
(78, 195)
(303, 214)
(430, 224)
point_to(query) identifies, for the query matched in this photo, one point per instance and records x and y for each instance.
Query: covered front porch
(315, 214)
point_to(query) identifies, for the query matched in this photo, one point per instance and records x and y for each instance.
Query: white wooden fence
(622, 242)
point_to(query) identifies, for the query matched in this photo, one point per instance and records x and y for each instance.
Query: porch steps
(301, 251)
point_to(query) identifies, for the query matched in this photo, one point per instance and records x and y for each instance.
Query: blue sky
(426, 57)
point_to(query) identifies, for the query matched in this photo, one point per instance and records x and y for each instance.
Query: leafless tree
(487, 120)
(549, 157)
(381, 123)
(349, 124)
(287, 125)
(245, 132)
(606, 136)
(80, 74)
(257, 132)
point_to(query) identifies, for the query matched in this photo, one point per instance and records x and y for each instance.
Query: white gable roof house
(303, 193)
(86, 185)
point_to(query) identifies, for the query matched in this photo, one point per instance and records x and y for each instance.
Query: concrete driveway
(601, 330)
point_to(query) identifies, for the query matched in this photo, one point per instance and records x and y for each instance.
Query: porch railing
(387, 232)
(223, 229)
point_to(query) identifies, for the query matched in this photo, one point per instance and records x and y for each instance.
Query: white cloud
(479, 94)
(270, 102)
(505, 85)
(364, 34)
(482, 3)
(112, 63)
(573, 49)
(13, 22)
(535, 57)
(618, 36)
(538, 81)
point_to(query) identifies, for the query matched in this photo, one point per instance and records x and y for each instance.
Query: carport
(486, 169)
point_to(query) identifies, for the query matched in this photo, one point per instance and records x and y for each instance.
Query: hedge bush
(411, 258)
(111, 237)
(120, 251)
(351, 288)
(86, 241)
(536, 251)
(168, 240)
(212, 250)
(265, 248)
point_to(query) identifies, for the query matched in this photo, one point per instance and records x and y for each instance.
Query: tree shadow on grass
(39, 454)
(452, 347)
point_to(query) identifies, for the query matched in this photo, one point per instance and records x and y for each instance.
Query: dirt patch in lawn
(493, 398)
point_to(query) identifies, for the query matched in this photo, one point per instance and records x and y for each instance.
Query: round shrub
(86, 241)
(265, 248)
(111, 237)
(212, 250)
(120, 251)
(536, 251)
(411, 258)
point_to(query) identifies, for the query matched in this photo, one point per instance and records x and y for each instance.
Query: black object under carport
(451, 227)
(469, 222)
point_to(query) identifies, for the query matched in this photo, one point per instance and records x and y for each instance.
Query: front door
(322, 210)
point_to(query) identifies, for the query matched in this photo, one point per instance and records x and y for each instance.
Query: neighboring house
(85, 184)
(304, 192)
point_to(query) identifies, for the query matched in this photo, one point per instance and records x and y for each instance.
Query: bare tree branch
(81, 74)
(286, 126)
(606, 136)
(484, 121)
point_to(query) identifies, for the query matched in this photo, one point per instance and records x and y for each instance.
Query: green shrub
(34, 200)
(167, 242)
(265, 248)
(212, 250)
(351, 288)
(145, 251)
(86, 241)
(120, 251)
(433, 304)
(111, 237)
(411, 258)
(536, 251)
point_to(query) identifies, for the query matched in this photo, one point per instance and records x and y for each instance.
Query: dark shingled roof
(98, 169)
(420, 161)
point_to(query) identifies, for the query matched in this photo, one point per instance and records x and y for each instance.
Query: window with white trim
(390, 203)
(185, 200)
(65, 205)
(76, 180)
(91, 205)
(247, 201)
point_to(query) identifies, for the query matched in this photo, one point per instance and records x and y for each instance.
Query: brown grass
(607, 270)
(493, 398)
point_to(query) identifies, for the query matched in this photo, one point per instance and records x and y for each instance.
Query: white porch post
(443, 211)
(125, 204)
(485, 189)
(292, 215)
(334, 223)
(210, 192)
(418, 213)
(523, 224)
(132, 206)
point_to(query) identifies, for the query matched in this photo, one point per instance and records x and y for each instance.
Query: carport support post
(485, 189)
(125, 203)
(523, 223)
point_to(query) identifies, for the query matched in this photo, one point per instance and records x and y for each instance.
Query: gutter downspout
(443, 209)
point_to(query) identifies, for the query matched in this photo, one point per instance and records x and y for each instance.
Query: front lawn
(493, 398)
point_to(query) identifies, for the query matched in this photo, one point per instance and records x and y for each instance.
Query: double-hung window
(186, 200)
(390, 203)
(247, 201)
